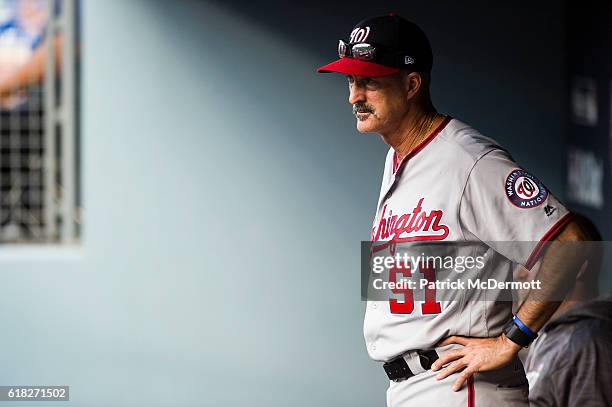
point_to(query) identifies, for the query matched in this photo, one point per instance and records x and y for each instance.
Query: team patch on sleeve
(524, 190)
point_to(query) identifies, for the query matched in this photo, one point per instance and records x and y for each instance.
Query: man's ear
(412, 84)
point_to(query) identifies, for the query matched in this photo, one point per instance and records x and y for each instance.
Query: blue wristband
(524, 328)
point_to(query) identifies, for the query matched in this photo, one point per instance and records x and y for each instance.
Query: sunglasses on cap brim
(362, 51)
(374, 53)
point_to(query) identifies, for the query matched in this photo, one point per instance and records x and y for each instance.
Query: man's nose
(356, 94)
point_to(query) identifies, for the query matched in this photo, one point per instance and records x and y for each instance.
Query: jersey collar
(397, 165)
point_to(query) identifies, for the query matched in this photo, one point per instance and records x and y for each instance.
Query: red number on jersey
(430, 306)
(407, 306)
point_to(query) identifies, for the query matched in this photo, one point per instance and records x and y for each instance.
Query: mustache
(362, 108)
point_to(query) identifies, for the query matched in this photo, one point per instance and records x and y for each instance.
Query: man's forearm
(557, 274)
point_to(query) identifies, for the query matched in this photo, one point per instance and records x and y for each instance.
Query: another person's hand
(9, 101)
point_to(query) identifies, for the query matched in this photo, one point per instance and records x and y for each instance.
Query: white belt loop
(413, 360)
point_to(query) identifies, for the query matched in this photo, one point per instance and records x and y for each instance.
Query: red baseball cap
(382, 46)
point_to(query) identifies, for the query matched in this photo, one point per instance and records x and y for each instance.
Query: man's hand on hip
(477, 355)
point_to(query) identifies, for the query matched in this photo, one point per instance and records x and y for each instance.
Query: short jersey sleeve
(509, 209)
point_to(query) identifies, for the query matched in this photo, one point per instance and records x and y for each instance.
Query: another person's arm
(32, 71)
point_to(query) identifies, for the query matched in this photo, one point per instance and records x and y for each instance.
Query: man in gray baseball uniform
(445, 182)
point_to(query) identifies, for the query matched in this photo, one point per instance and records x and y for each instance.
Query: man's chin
(365, 127)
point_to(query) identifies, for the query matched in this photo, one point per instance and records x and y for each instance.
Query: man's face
(379, 103)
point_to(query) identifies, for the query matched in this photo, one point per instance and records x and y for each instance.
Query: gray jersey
(456, 186)
(570, 363)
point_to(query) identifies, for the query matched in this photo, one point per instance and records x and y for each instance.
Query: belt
(398, 369)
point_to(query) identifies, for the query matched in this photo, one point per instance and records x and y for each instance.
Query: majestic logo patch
(524, 190)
